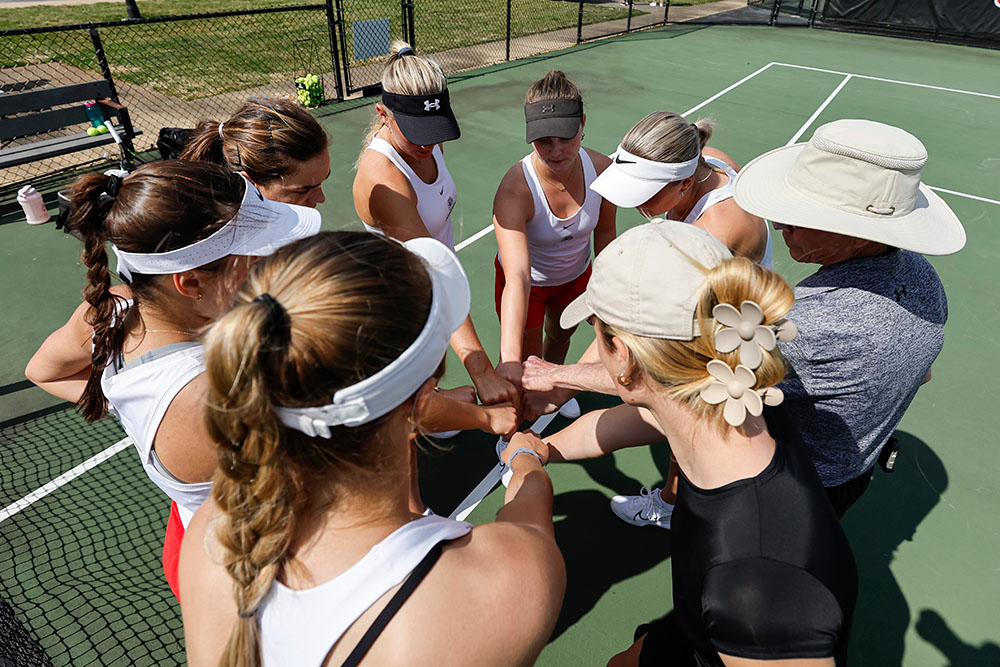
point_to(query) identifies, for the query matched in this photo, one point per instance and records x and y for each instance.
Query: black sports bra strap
(404, 592)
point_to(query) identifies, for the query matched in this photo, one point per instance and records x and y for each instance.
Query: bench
(34, 112)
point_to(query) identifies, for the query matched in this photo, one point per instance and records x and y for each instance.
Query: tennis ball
(92, 131)
(102, 129)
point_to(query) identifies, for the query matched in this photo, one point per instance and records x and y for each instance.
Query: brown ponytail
(162, 206)
(268, 138)
(91, 209)
(205, 144)
(316, 316)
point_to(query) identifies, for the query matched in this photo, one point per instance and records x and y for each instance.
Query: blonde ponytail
(681, 366)
(316, 316)
(406, 73)
(664, 136)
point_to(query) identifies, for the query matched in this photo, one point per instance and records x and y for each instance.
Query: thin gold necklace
(557, 184)
(172, 331)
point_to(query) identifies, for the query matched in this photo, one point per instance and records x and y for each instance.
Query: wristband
(510, 461)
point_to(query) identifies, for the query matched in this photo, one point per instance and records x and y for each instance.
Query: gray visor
(552, 118)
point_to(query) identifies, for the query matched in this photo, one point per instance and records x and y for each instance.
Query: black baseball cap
(424, 120)
(552, 118)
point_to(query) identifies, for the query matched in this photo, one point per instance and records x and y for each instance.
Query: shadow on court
(600, 550)
(887, 516)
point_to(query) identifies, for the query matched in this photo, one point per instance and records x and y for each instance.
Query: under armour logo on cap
(548, 108)
(428, 105)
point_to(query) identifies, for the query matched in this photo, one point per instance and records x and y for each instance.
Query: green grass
(201, 58)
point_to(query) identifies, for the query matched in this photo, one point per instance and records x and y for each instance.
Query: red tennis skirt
(172, 550)
(556, 297)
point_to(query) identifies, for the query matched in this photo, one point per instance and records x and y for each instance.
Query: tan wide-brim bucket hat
(858, 178)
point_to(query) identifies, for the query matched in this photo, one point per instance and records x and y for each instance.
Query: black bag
(171, 141)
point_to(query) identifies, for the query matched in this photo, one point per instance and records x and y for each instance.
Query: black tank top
(761, 567)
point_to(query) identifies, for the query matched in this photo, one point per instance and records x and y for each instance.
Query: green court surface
(80, 567)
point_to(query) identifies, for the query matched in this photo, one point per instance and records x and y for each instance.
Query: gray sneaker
(645, 509)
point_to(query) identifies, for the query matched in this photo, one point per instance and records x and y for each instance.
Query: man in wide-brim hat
(871, 319)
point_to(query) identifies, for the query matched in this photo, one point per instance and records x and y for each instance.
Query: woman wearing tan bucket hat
(761, 567)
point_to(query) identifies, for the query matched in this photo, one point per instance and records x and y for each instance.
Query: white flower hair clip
(745, 329)
(736, 389)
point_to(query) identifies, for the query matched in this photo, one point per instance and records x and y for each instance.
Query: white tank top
(139, 394)
(713, 197)
(299, 627)
(559, 248)
(435, 201)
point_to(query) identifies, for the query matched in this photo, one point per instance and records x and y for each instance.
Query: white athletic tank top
(713, 197)
(560, 247)
(435, 201)
(139, 394)
(298, 627)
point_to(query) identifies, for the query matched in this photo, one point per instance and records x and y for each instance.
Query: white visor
(631, 181)
(259, 228)
(380, 393)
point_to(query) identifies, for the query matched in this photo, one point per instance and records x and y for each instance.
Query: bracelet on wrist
(524, 450)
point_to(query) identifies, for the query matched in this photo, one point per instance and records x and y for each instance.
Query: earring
(199, 296)
(624, 380)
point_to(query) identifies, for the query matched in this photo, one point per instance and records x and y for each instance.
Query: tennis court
(81, 527)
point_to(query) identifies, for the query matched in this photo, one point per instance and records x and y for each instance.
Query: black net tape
(81, 570)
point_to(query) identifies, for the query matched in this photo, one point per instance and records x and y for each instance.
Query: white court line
(818, 111)
(492, 478)
(726, 90)
(475, 237)
(63, 479)
(902, 83)
(967, 196)
(847, 77)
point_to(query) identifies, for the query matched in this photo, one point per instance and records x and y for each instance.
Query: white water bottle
(34, 208)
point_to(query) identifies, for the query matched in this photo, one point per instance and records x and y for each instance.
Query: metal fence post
(774, 12)
(332, 31)
(628, 23)
(408, 18)
(102, 61)
(508, 31)
(342, 38)
(666, 10)
(579, 24)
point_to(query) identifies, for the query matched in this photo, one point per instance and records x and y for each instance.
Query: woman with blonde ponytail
(184, 235)
(403, 189)
(318, 381)
(762, 570)
(664, 167)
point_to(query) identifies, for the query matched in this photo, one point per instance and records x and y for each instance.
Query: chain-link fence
(169, 71)
(175, 71)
